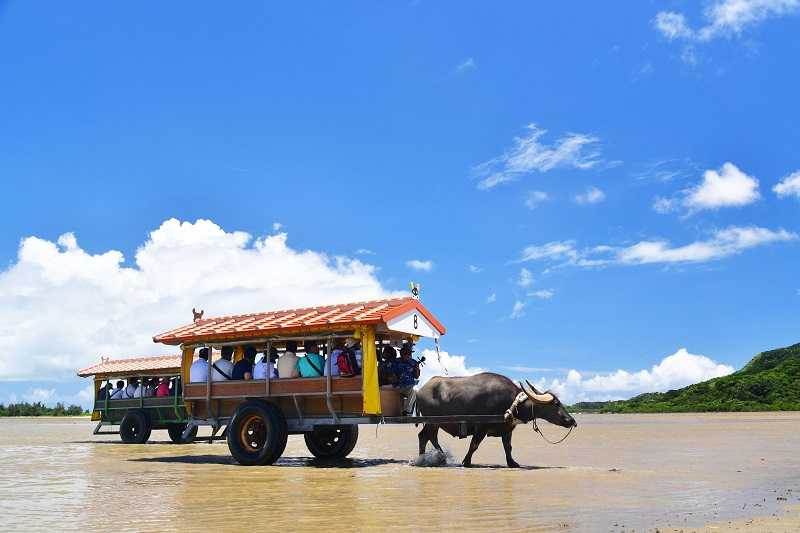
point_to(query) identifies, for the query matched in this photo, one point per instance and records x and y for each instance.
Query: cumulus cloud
(525, 278)
(723, 18)
(593, 195)
(722, 243)
(535, 198)
(788, 186)
(727, 187)
(455, 365)
(277, 226)
(529, 154)
(674, 371)
(62, 307)
(420, 265)
(518, 311)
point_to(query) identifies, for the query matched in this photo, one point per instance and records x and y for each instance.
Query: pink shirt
(162, 389)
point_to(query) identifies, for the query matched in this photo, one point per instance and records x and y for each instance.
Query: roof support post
(328, 365)
(267, 363)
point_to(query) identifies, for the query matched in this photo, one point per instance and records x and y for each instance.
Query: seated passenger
(355, 346)
(119, 392)
(313, 364)
(150, 387)
(386, 375)
(199, 369)
(175, 387)
(266, 365)
(338, 345)
(105, 391)
(287, 363)
(223, 367)
(244, 369)
(163, 387)
(132, 388)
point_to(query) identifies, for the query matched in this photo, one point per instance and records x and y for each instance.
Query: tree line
(40, 409)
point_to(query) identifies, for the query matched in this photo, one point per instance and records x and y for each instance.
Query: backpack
(347, 363)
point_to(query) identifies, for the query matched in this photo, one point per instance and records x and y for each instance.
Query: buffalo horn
(534, 389)
(537, 397)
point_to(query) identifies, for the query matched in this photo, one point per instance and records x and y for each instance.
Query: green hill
(769, 382)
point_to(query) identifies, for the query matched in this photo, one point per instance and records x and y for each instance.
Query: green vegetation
(769, 382)
(39, 409)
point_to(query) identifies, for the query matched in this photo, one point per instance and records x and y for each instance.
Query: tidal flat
(666, 472)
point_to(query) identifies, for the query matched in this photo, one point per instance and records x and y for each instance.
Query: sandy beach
(710, 472)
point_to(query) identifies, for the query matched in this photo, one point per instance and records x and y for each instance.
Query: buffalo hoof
(513, 464)
(466, 464)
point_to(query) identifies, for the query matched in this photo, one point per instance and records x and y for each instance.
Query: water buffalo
(485, 394)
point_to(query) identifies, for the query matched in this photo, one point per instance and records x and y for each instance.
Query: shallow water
(614, 472)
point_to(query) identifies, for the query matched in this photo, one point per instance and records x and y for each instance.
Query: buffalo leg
(477, 437)
(507, 447)
(430, 432)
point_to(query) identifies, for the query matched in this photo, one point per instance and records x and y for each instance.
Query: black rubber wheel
(257, 433)
(135, 428)
(332, 442)
(176, 431)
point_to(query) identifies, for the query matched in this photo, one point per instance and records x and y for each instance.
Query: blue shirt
(404, 370)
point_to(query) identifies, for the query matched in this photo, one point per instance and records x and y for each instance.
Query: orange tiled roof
(272, 322)
(135, 364)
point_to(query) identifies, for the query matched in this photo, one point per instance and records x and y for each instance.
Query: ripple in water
(433, 457)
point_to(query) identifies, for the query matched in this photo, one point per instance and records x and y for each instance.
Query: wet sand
(713, 472)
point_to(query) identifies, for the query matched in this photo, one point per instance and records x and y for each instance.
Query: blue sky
(632, 152)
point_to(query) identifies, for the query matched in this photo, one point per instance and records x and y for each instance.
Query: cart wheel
(176, 432)
(257, 433)
(135, 428)
(332, 442)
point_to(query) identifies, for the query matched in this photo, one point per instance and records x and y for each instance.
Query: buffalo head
(544, 405)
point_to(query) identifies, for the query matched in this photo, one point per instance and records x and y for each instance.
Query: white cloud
(455, 364)
(593, 195)
(467, 65)
(364, 251)
(722, 243)
(723, 18)
(728, 187)
(543, 294)
(491, 298)
(518, 311)
(276, 226)
(535, 198)
(525, 278)
(40, 395)
(474, 269)
(788, 186)
(420, 265)
(672, 25)
(674, 371)
(54, 290)
(529, 154)
(663, 205)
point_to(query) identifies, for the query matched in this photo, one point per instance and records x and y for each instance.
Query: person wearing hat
(199, 369)
(407, 371)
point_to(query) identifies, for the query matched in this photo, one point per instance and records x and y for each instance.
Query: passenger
(150, 387)
(175, 387)
(266, 365)
(386, 375)
(105, 391)
(355, 346)
(199, 369)
(313, 364)
(223, 368)
(287, 363)
(119, 392)
(407, 371)
(132, 388)
(163, 387)
(338, 346)
(244, 369)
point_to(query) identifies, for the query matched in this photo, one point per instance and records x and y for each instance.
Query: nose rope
(539, 431)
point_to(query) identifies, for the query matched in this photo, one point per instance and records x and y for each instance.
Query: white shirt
(287, 365)
(118, 394)
(224, 365)
(260, 370)
(334, 363)
(139, 392)
(130, 391)
(198, 371)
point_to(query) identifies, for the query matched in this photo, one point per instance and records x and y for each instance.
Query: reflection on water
(628, 470)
